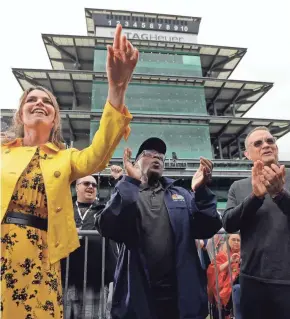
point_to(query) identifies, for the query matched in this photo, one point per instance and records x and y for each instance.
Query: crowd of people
(149, 226)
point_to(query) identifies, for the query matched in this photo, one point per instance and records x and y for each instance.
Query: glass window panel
(158, 63)
(187, 141)
(158, 99)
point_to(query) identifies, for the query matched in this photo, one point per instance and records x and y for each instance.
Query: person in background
(85, 208)
(215, 244)
(221, 267)
(259, 207)
(158, 274)
(37, 222)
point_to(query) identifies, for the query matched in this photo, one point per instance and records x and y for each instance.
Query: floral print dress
(30, 285)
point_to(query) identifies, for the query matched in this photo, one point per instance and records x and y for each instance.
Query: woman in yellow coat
(37, 223)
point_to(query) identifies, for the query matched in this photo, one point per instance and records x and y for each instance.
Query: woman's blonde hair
(17, 128)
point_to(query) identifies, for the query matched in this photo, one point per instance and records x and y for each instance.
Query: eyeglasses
(268, 140)
(153, 154)
(87, 184)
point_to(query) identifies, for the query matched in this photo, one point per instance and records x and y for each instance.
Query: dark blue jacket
(192, 216)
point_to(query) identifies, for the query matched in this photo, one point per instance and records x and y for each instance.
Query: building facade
(180, 92)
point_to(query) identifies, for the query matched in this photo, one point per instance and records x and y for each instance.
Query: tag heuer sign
(135, 34)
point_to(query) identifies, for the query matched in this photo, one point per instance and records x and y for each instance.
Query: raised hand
(235, 258)
(203, 174)
(122, 58)
(274, 178)
(130, 169)
(258, 186)
(116, 171)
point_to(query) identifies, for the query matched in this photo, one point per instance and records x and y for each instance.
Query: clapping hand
(267, 179)
(122, 58)
(258, 187)
(273, 178)
(203, 174)
(116, 171)
(235, 258)
(130, 169)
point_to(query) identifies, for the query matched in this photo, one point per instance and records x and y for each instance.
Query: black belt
(25, 219)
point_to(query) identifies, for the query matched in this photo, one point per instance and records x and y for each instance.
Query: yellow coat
(60, 169)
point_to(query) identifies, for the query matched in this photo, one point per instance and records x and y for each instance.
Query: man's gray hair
(258, 128)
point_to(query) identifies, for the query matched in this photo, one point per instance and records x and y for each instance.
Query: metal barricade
(213, 249)
(215, 244)
(101, 312)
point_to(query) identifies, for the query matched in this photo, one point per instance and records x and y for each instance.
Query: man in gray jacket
(259, 207)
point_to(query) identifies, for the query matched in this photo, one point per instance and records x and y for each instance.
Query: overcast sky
(261, 26)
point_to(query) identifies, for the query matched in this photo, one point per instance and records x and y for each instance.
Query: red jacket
(224, 281)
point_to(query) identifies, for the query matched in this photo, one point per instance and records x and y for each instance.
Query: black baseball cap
(152, 143)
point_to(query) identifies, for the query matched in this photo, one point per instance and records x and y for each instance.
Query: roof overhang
(67, 52)
(74, 88)
(230, 169)
(226, 133)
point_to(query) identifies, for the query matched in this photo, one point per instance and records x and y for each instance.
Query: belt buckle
(8, 220)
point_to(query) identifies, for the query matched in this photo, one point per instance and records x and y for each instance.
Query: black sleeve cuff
(252, 203)
(283, 201)
(202, 192)
(131, 180)
(113, 181)
(278, 198)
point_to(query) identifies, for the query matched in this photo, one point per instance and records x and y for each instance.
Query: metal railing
(102, 312)
(214, 250)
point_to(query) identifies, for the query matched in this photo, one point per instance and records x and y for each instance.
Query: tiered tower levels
(180, 91)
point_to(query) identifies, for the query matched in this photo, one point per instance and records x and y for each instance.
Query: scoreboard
(147, 22)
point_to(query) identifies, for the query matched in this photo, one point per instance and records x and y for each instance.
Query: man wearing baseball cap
(159, 275)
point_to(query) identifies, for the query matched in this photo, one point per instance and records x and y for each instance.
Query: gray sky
(261, 26)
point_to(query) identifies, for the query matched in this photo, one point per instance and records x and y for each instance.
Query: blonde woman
(38, 227)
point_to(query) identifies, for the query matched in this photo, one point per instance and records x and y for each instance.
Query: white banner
(137, 34)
